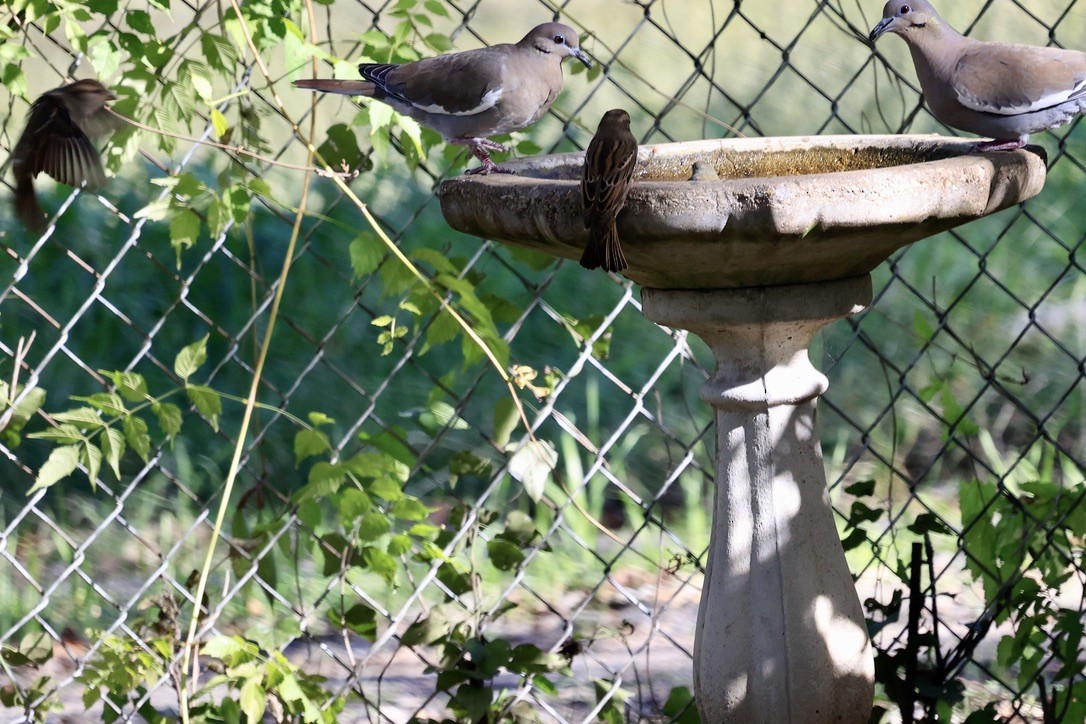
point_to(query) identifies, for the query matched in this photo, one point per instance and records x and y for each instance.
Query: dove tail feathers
(27, 208)
(343, 87)
(604, 249)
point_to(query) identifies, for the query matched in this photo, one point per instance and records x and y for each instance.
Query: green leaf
(427, 630)
(140, 21)
(112, 449)
(207, 401)
(184, 231)
(289, 690)
(680, 707)
(409, 508)
(63, 434)
(387, 488)
(157, 210)
(219, 123)
(380, 563)
(338, 554)
(33, 648)
(106, 402)
(530, 659)
(530, 257)
(360, 618)
(921, 326)
(91, 457)
(380, 117)
(441, 415)
(399, 545)
(62, 462)
(135, 432)
(504, 555)
(308, 443)
(131, 385)
(352, 504)
(190, 358)
(532, 466)
(82, 417)
(236, 201)
(25, 408)
(473, 701)
(324, 479)
(317, 419)
(253, 699)
(309, 513)
(457, 581)
(367, 251)
(169, 417)
(506, 419)
(373, 526)
(613, 710)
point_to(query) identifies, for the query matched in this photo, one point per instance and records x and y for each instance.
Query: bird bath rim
(833, 206)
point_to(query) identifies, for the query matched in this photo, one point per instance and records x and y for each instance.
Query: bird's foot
(1000, 144)
(476, 144)
(488, 168)
(480, 148)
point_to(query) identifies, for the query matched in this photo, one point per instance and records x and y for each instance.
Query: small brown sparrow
(608, 170)
(56, 141)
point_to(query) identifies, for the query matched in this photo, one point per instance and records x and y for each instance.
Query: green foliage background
(958, 393)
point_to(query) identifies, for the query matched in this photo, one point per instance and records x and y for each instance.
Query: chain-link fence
(379, 532)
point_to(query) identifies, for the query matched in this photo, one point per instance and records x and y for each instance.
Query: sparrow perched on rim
(474, 94)
(608, 170)
(57, 141)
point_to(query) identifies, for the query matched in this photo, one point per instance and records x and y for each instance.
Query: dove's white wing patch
(488, 101)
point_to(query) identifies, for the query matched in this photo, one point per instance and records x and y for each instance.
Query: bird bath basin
(777, 243)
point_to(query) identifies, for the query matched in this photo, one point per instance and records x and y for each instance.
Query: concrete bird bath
(755, 263)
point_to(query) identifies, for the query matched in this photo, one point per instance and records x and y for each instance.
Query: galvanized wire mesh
(968, 367)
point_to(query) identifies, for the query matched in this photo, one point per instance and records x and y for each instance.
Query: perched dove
(57, 141)
(999, 90)
(472, 95)
(608, 170)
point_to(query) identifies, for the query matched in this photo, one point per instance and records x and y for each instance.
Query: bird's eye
(905, 10)
(559, 39)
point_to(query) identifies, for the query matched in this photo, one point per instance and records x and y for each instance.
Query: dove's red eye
(905, 10)
(559, 39)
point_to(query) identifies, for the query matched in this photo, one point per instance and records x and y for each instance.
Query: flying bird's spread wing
(55, 144)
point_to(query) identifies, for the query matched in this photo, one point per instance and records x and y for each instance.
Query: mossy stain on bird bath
(732, 164)
(800, 162)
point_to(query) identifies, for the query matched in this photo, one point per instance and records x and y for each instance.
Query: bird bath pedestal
(755, 262)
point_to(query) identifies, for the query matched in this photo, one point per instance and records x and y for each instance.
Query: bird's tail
(27, 207)
(604, 249)
(343, 87)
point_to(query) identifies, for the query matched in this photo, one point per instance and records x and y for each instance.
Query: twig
(241, 150)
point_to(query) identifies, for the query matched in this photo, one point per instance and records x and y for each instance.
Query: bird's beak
(110, 96)
(581, 56)
(879, 29)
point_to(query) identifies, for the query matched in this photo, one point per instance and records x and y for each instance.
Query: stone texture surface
(784, 210)
(781, 635)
